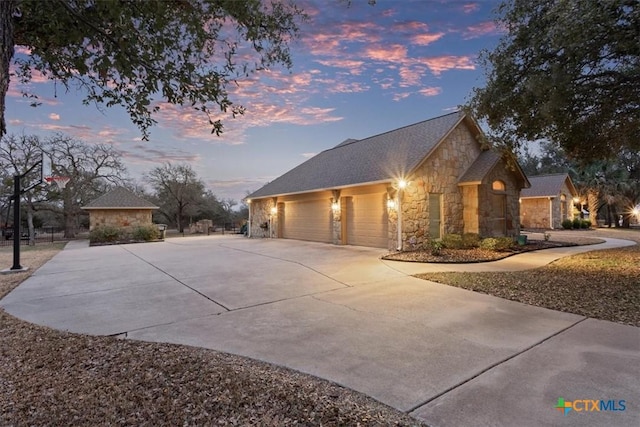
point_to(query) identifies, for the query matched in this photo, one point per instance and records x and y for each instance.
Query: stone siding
(119, 218)
(486, 215)
(438, 174)
(260, 214)
(535, 211)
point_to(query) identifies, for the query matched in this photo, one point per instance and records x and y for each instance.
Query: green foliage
(577, 223)
(585, 223)
(145, 232)
(435, 247)
(134, 53)
(496, 243)
(567, 224)
(452, 241)
(105, 234)
(470, 240)
(566, 71)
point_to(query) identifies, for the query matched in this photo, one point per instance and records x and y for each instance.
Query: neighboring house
(119, 208)
(395, 190)
(547, 202)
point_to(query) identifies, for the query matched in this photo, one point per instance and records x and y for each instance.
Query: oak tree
(566, 72)
(135, 53)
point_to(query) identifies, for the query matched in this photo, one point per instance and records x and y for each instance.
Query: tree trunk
(592, 203)
(6, 46)
(32, 231)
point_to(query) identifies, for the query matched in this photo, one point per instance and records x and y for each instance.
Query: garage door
(367, 221)
(307, 220)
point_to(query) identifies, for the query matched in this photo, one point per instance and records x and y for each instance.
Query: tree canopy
(567, 72)
(134, 53)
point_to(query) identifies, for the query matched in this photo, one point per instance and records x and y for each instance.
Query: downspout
(249, 221)
(399, 203)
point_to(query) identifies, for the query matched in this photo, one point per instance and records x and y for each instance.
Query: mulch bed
(461, 256)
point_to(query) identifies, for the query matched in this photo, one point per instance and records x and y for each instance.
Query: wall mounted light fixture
(391, 204)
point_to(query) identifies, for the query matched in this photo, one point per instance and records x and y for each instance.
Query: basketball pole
(17, 235)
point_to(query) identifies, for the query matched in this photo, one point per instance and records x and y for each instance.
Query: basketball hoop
(59, 181)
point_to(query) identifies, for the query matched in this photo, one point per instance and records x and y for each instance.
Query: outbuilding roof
(485, 162)
(120, 198)
(380, 158)
(548, 186)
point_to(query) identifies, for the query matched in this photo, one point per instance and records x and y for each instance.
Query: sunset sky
(358, 70)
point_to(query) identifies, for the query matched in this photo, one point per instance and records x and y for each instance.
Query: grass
(601, 284)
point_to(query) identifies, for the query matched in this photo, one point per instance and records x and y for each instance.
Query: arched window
(498, 186)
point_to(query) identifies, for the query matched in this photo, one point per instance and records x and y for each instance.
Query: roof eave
(317, 190)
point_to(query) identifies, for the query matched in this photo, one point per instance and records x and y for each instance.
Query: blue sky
(358, 70)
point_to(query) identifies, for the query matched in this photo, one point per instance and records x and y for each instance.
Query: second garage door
(367, 221)
(307, 220)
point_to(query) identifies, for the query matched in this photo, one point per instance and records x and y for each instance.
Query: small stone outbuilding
(120, 208)
(395, 190)
(548, 201)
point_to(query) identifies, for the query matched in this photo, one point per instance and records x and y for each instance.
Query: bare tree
(179, 191)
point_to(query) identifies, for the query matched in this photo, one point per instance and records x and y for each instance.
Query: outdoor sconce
(274, 210)
(402, 184)
(391, 204)
(335, 206)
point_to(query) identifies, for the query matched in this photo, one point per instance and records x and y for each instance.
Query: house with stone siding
(548, 201)
(395, 190)
(120, 208)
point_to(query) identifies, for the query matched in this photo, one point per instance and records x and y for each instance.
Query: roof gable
(120, 198)
(379, 158)
(548, 185)
(485, 163)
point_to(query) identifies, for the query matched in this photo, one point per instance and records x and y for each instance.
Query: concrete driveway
(445, 355)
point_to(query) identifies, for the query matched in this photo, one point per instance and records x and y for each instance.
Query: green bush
(435, 247)
(504, 243)
(452, 241)
(145, 232)
(489, 244)
(104, 234)
(470, 240)
(496, 243)
(577, 223)
(567, 224)
(585, 223)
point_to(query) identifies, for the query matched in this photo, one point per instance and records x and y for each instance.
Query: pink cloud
(426, 39)
(354, 67)
(430, 91)
(54, 116)
(481, 29)
(401, 95)
(470, 7)
(438, 64)
(390, 53)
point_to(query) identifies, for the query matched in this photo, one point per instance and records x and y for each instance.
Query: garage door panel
(367, 221)
(307, 220)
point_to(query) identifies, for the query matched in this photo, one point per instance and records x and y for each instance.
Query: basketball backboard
(46, 169)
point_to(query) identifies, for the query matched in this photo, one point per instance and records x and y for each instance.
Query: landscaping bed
(478, 254)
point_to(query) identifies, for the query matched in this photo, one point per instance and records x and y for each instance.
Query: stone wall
(535, 212)
(119, 218)
(502, 173)
(438, 174)
(260, 215)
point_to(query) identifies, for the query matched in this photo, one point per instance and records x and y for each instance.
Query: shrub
(470, 240)
(496, 243)
(577, 222)
(452, 241)
(145, 232)
(567, 224)
(104, 234)
(489, 243)
(504, 243)
(436, 247)
(585, 223)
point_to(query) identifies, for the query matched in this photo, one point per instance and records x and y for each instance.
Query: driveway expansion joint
(178, 280)
(493, 365)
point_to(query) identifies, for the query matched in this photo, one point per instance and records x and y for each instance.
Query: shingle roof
(378, 158)
(547, 185)
(480, 167)
(120, 198)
